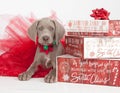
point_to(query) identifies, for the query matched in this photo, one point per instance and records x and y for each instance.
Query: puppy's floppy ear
(32, 31)
(59, 31)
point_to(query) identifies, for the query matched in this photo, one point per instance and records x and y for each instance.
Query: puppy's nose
(45, 38)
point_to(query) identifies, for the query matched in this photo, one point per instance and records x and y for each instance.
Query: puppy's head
(46, 30)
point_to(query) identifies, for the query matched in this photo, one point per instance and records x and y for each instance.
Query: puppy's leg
(28, 74)
(51, 76)
(31, 70)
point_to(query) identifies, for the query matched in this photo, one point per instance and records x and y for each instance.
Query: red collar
(46, 51)
(42, 47)
(50, 47)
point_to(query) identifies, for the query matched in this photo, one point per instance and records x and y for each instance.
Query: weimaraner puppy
(45, 32)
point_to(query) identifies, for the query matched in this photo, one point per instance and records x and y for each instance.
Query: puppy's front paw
(24, 76)
(51, 77)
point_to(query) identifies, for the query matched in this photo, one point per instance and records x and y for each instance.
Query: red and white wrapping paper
(87, 27)
(102, 47)
(114, 27)
(93, 28)
(93, 47)
(74, 46)
(92, 71)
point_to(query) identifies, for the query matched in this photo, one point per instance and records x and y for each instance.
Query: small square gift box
(74, 46)
(90, 71)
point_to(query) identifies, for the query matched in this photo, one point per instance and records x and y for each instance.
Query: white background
(65, 9)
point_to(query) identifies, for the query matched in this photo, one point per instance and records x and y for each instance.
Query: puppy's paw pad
(24, 76)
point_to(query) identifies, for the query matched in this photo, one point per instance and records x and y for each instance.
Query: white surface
(37, 85)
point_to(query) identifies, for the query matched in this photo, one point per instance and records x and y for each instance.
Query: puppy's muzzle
(45, 38)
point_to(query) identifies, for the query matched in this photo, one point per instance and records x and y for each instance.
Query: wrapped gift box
(74, 46)
(93, 47)
(92, 71)
(102, 47)
(93, 27)
(87, 27)
(114, 27)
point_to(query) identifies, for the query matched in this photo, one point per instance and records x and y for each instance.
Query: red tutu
(16, 49)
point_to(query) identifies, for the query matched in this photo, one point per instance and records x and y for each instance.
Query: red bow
(100, 14)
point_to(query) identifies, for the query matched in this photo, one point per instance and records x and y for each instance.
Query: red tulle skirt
(16, 49)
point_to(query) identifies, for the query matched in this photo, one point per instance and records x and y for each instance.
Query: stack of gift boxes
(92, 53)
